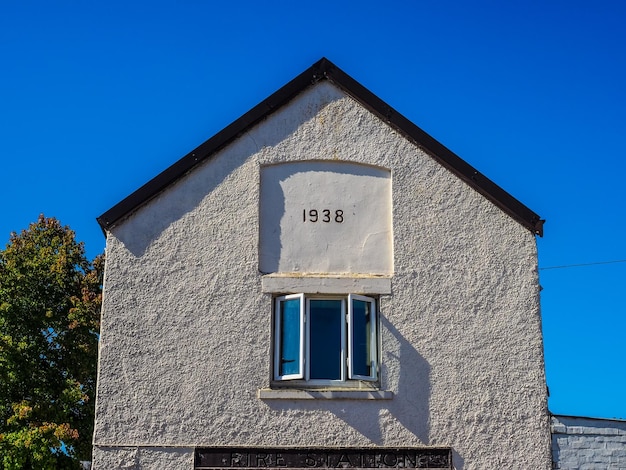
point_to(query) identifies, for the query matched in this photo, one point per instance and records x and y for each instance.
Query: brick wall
(588, 444)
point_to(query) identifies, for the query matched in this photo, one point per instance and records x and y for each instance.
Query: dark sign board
(257, 458)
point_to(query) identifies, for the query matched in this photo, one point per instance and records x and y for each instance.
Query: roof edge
(186, 164)
(505, 201)
(326, 70)
(590, 418)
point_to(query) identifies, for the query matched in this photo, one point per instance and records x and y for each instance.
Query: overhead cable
(583, 264)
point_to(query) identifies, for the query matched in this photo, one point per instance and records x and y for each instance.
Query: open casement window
(325, 340)
(289, 331)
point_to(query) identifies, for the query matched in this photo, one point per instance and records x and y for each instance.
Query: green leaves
(50, 298)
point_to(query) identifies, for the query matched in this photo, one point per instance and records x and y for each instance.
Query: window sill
(295, 394)
(325, 284)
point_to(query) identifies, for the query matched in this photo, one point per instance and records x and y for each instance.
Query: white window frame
(348, 377)
(278, 338)
(373, 339)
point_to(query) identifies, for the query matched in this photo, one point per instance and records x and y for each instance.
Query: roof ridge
(324, 69)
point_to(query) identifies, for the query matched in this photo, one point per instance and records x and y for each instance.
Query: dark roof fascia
(183, 166)
(591, 418)
(438, 151)
(326, 70)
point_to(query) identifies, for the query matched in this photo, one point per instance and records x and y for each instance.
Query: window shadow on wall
(407, 373)
(378, 420)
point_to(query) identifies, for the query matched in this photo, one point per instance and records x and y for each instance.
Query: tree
(50, 297)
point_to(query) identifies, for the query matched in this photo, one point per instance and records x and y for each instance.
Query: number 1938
(324, 215)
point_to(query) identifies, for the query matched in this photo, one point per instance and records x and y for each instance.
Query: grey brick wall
(588, 444)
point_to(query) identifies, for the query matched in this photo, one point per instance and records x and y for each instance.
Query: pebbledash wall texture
(321, 285)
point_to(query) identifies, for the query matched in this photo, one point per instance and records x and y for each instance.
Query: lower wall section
(588, 444)
(142, 458)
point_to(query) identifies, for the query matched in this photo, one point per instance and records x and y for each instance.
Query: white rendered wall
(186, 328)
(325, 217)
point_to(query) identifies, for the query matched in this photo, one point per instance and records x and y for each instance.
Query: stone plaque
(323, 458)
(319, 217)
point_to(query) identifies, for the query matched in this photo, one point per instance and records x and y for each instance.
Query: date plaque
(325, 217)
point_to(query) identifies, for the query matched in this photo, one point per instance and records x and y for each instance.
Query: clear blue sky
(96, 98)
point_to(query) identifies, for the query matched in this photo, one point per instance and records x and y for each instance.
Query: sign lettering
(425, 458)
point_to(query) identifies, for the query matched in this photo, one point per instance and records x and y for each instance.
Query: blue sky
(96, 98)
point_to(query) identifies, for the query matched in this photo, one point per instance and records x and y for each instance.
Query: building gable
(310, 278)
(324, 70)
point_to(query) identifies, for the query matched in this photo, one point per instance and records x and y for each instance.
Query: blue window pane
(325, 339)
(361, 333)
(289, 358)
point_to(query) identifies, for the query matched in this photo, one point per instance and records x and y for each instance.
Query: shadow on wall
(147, 224)
(371, 418)
(410, 405)
(457, 461)
(149, 221)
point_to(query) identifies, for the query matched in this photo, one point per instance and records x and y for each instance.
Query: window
(325, 340)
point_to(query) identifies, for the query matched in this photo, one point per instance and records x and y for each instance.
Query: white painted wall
(186, 328)
(325, 217)
(588, 444)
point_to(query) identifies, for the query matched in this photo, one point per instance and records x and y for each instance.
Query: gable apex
(326, 70)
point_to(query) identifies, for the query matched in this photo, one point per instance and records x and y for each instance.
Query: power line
(583, 264)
